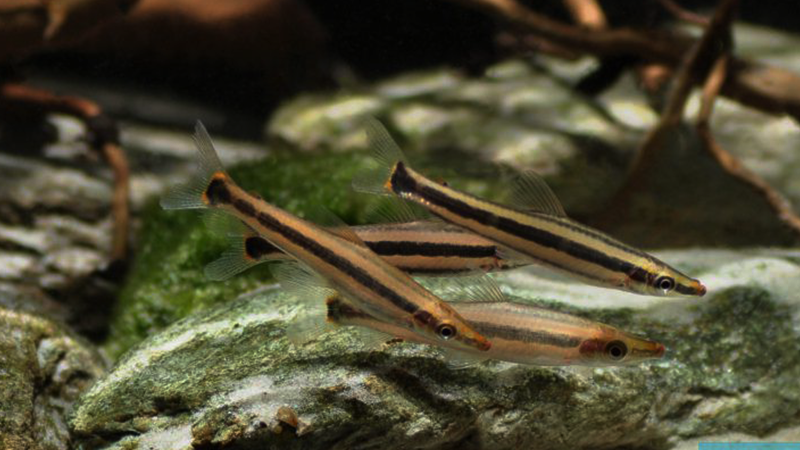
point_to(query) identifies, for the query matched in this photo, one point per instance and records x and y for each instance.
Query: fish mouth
(483, 344)
(480, 343)
(701, 289)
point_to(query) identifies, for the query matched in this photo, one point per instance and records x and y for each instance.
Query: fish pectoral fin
(297, 279)
(386, 155)
(396, 210)
(531, 192)
(457, 359)
(372, 340)
(309, 326)
(474, 287)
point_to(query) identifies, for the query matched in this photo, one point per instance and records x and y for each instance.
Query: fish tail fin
(192, 194)
(386, 154)
(233, 261)
(245, 247)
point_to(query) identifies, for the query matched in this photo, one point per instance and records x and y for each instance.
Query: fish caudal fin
(233, 261)
(191, 195)
(385, 153)
(245, 247)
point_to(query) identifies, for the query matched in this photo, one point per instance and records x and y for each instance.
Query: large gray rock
(228, 376)
(43, 370)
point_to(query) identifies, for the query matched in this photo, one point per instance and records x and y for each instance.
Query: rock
(43, 370)
(227, 376)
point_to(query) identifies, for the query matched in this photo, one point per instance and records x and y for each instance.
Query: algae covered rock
(227, 376)
(43, 370)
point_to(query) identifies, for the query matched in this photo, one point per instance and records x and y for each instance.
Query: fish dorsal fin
(385, 153)
(481, 288)
(458, 360)
(396, 210)
(299, 280)
(309, 325)
(473, 287)
(531, 192)
(334, 224)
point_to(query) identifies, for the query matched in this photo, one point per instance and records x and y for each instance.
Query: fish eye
(666, 284)
(616, 350)
(446, 331)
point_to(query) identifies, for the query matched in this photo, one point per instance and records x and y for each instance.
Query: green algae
(44, 368)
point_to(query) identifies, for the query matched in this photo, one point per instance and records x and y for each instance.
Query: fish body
(524, 334)
(547, 237)
(429, 248)
(372, 284)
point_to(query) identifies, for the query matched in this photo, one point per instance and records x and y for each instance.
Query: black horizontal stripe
(509, 333)
(313, 247)
(403, 182)
(257, 247)
(433, 249)
(686, 290)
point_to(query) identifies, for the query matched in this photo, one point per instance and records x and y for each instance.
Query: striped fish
(419, 248)
(542, 233)
(375, 286)
(519, 333)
